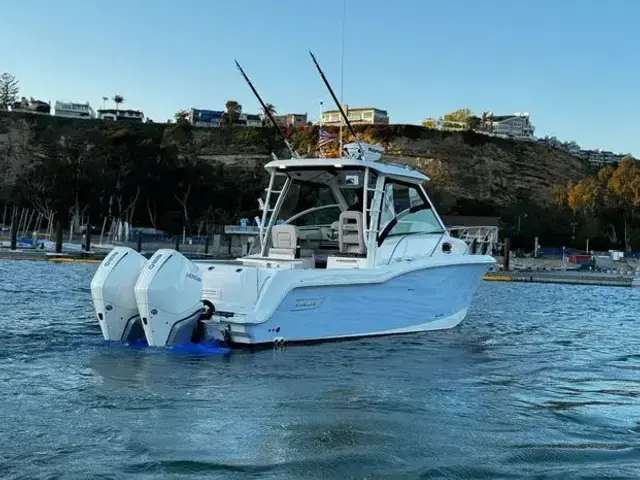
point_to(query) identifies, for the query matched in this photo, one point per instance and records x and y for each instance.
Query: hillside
(471, 173)
(464, 164)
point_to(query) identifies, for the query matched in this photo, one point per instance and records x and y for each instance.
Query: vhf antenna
(335, 99)
(294, 154)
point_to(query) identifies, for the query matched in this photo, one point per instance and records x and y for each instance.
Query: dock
(564, 277)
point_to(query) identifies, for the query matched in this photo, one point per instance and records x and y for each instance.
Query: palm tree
(118, 99)
(104, 100)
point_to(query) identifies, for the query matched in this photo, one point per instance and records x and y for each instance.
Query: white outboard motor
(169, 297)
(112, 290)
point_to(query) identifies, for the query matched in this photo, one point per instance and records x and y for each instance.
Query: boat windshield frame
(372, 202)
(426, 205)
(269, 219)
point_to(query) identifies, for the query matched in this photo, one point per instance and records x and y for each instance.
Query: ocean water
(539, 381)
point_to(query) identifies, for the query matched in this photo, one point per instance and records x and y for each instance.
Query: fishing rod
(335, 99)
(294, 154)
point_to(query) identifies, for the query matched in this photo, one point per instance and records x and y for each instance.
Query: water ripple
(539, 381)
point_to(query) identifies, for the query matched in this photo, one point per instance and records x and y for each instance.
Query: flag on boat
(325, 138)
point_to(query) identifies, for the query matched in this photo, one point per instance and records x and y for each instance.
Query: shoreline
(84, 257)
(526, 275)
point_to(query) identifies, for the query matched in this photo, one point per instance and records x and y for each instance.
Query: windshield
(304, 196)
(405, 211)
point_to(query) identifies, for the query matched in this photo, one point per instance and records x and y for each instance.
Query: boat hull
(423, 299)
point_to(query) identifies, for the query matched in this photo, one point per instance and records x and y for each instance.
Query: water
(540, 380)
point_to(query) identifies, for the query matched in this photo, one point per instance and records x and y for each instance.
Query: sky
(571, 64)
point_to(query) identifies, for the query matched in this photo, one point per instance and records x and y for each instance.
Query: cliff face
(496, 171)
(462, 165)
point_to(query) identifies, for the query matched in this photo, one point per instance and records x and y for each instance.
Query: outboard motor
(169, 297)
(112, 290)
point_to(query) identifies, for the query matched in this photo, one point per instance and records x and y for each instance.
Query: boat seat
(351, 233)
(284, 241)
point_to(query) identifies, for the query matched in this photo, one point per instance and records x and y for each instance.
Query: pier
(565, 277)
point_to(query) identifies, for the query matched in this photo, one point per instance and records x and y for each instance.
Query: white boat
(347, 247)
(324, 268)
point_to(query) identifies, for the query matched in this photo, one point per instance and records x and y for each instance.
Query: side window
(396, 217)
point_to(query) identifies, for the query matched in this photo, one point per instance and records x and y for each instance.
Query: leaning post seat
(351, 233)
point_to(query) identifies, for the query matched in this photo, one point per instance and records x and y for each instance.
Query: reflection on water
(540, 380)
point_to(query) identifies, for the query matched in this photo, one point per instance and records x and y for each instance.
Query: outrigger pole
(335, 99)
(294, 154)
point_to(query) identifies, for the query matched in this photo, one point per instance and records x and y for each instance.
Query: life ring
(208, 311)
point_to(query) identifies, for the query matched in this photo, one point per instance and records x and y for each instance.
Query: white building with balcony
(119, 114)
(517, 125)
(600, 158)
(251, 120)
(74, 110)
(356, 116)
(291, 119)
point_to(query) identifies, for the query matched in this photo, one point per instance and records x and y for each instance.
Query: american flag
(325, 138)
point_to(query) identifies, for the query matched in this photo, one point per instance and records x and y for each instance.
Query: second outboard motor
(113, 295)
(169, 298)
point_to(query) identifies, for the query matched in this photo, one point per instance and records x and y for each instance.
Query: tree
(270, 109)
(8, 90)
(231, 116)
(460, 115)
(118, 99)
(474, 122)
(181, 116)
(613, 196)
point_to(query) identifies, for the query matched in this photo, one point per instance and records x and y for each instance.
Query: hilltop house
(213, 118)
(357, 116)
(517, 125)
(204, 118)
(113, 114)
(600, 158)
(74, 110)
(31, 106)
(291, 119)
(250, 120)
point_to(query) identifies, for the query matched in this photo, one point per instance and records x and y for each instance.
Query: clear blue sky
(573, 65)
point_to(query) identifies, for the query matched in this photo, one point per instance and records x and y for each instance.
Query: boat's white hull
(423, 299)
(255, 305)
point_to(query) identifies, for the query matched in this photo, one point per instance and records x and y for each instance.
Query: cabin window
(405, 211)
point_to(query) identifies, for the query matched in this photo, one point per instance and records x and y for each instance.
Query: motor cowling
(169, 298)
(112, 291)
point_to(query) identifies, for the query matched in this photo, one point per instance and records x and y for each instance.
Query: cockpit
(326, 217)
